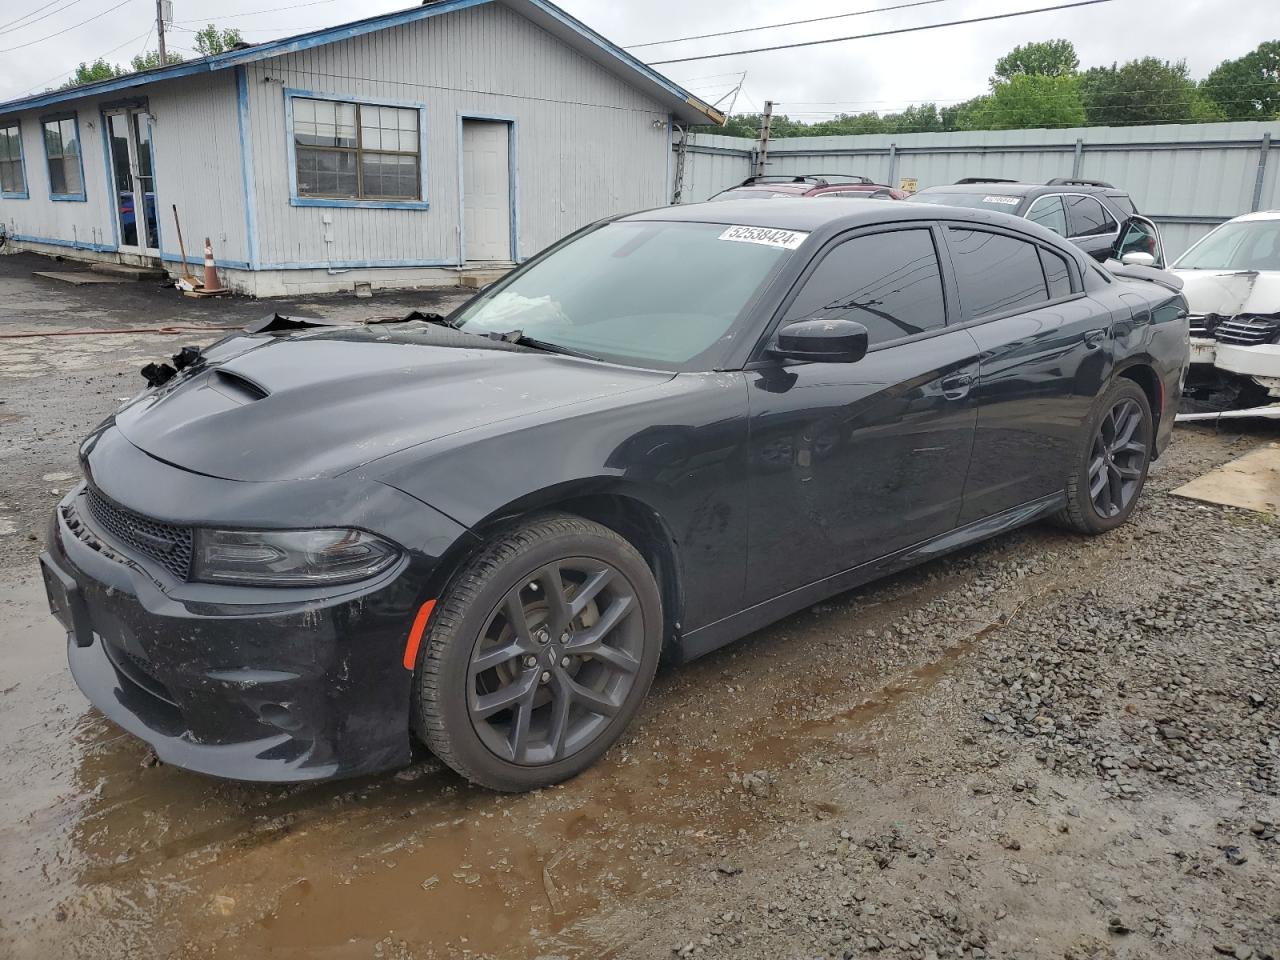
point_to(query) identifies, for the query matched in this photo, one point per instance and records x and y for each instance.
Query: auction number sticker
(769, 237)
(1008, 201)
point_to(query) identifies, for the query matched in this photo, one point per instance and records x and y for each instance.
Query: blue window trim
(74, 117)
(291, 93)
(25, 192)
(513, 176)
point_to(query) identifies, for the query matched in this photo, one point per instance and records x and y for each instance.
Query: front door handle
(1093, 338)
(957, 386)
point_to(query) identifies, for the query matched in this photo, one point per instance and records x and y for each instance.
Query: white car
(1231, 279)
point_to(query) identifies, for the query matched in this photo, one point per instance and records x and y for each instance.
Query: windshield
(648, 293)
(1240, 245)
(976, 201)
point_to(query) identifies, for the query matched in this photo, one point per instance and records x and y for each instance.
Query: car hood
(310, 406)
(1231, 292)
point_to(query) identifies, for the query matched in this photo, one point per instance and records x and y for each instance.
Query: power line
(880, 33)
(10, 28)
(790, 23)
(256, 13)
(96, 16)
(100, 56)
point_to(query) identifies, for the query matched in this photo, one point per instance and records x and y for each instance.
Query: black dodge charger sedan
(312, 546)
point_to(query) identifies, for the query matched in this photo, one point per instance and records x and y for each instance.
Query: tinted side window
(1088, 217)
(1122, 201)
(889, 282)
(1057, 273)
(1048, 212)
(995, 273)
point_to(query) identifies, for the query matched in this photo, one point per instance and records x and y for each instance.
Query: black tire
(1126, 472)
(471, 626)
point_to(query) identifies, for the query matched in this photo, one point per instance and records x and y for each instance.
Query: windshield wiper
(519, 339)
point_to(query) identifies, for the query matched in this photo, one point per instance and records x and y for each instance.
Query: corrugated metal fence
(1187, 177)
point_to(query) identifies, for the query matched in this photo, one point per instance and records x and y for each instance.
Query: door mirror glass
(823, 340)
(1139, 243)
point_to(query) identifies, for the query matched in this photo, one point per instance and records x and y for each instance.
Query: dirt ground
(1044, 746)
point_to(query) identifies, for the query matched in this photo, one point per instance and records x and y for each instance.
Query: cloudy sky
(885, 73)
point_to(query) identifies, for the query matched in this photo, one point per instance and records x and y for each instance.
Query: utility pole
(766, 121)
(160, 12)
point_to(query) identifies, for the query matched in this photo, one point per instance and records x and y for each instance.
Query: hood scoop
(237, 386)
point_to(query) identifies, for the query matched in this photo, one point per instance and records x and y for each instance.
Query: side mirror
(822, 341)
(1139, 236)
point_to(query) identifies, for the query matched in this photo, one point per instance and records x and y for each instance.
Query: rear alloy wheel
(539, 654)
(1109, 474)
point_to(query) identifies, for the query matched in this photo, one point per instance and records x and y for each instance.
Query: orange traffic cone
(211, 283)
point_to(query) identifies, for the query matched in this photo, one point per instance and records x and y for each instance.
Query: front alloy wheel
(539, 654)
(556, 661)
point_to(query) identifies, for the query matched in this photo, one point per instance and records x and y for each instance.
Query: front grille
(1198, 327)
(1248, 331)
(166, 544)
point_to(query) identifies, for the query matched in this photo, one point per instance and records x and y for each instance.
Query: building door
(132, 173)
(486, 191)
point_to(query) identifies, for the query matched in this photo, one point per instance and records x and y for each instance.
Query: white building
(398, 150)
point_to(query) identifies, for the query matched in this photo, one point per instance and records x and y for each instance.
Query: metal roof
(683, 105)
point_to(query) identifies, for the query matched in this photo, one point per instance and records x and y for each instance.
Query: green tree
(92, 73)
(1026, 101)
(151, 59)
(1045, 58)
(211, 41)
(917, 118)
(959, 116)
(1247, 88)
(1141, 91)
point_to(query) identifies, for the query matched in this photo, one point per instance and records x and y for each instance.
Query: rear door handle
(1094, 338)
(957, 386)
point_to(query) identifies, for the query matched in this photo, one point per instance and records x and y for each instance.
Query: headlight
(289, 557)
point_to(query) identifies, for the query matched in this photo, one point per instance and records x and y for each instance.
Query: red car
(843, 185)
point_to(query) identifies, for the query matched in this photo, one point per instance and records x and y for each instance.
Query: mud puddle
(106, 850)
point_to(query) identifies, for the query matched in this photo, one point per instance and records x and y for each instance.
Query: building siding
(196, 151)
(588, 144)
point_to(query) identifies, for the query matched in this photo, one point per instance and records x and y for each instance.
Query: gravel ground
(1045, 746)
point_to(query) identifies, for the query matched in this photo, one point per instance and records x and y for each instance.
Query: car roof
(1003, 189)
(1258, 215)
(787, 186)
(836, 214)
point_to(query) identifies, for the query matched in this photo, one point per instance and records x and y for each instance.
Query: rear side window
(1049, 213)
(1088, 218)
(1056, 273)
(1122, 201)
(995, 273)
(889, 282)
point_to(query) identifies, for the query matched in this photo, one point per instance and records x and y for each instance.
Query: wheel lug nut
(564, 637)
(543, 636)
(546, 675)
(530, 661)
(564, 661)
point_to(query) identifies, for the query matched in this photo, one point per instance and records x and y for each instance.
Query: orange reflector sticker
(415, 634)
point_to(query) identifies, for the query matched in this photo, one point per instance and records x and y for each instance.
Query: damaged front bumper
(1251, 373)
(247, 683)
